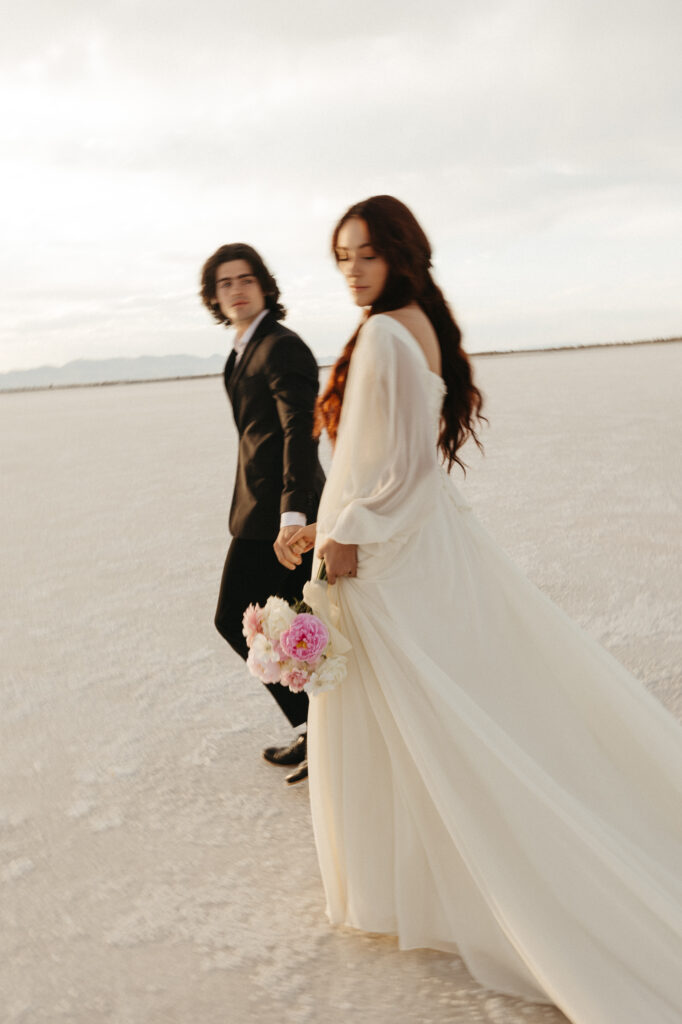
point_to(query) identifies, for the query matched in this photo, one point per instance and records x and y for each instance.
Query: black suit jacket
(273, 389)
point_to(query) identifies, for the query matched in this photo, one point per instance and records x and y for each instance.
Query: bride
(486, 779)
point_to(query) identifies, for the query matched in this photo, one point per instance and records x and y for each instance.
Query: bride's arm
(385, 474)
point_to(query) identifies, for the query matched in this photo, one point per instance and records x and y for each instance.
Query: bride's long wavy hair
(398, 238)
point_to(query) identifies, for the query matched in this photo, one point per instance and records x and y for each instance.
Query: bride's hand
(304, 538)
(339, 559)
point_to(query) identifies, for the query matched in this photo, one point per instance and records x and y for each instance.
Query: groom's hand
(339, 559)
(286, 554)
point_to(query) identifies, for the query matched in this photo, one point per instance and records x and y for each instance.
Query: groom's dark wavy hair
(397, 236)
(239, 251)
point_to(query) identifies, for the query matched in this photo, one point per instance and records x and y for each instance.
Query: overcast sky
(538, 142)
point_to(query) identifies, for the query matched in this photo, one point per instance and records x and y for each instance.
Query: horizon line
(322, 366)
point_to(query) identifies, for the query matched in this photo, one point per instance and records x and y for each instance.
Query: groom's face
(238, 293)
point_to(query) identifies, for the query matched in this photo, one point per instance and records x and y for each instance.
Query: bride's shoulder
(413, 318)
(379, 338)
(387, 325)
(376, 331)
(412, 327)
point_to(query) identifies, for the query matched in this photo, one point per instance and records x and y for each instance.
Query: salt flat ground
(153, 869)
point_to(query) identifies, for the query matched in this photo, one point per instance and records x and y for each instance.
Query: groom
(271, 378)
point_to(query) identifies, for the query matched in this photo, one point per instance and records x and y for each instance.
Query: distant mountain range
(103, 371)
(108, 371)
(83, 372)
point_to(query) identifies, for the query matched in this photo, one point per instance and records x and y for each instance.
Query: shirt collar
(241, 343)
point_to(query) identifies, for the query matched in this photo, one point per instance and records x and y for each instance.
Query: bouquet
(291, 645)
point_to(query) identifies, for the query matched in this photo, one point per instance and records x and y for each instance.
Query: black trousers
(251, 574)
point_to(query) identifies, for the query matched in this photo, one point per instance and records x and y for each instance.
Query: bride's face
(364, 271)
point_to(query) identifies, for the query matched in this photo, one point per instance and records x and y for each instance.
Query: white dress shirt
(239, 344)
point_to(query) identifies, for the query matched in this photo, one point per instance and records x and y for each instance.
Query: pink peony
(295, 679)
(305, 639)
(252, 623)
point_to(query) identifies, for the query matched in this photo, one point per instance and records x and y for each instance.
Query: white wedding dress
(486, 779)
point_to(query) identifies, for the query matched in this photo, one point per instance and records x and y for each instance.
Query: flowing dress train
(487, 779)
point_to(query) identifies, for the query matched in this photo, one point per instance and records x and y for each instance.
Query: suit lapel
(229, 367)
(261, 331)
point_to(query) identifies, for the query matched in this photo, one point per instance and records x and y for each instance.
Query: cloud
(537, 143)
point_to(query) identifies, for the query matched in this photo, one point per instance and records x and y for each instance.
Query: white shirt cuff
(292, 519)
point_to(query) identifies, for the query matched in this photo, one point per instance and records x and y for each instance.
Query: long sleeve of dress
(385, 471)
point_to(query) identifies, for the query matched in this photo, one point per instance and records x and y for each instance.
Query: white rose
(262, 649)
(328, 675)
(277, 616)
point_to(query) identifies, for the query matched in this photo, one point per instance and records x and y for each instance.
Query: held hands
(294, 541)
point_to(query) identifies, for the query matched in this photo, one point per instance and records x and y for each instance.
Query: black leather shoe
(298, 775)
(293, 754)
